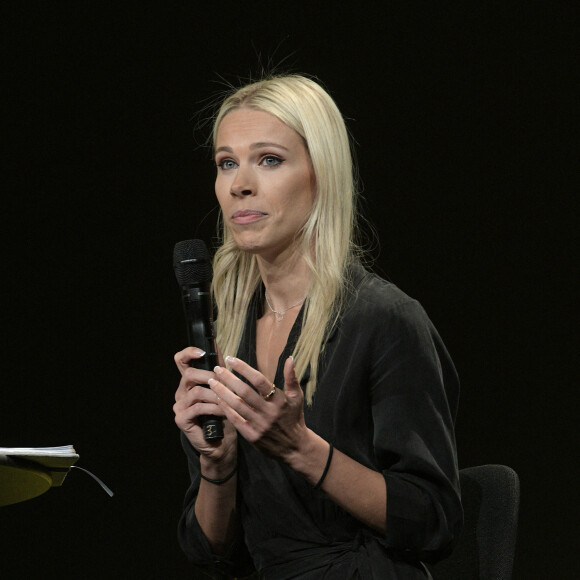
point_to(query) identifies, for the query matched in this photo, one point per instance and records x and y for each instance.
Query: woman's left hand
(275, 425)
(268, 417)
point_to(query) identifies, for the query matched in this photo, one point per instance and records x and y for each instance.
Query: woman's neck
(286, 280)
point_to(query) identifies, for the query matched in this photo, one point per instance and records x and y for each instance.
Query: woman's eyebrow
(267, 144)
(257, 145)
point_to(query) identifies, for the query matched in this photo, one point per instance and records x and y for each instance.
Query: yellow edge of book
(26, 473)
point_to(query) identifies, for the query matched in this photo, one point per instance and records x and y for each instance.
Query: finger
(199, 401)
(192, 377)
(246, 392)
(234, 407)
(235, 390)
(188, 415)
(291, 384)
(195, 395)
(256, 378)
(195, 376)
(183, 358)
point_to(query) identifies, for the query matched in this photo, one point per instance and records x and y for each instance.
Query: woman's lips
(247, 216)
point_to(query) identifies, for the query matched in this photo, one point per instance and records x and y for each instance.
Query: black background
(467, 131)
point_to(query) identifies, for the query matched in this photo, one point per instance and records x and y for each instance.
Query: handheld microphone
(193, 271)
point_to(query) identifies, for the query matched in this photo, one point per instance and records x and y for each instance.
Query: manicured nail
(230, 359)
(218, 370)
(211, 382)
(200, 352)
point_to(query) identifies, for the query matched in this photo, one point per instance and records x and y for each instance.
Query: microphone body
(193, 271)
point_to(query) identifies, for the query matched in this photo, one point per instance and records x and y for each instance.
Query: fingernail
(218, 370)
(200, 352)
(210, 382)
(230, 359)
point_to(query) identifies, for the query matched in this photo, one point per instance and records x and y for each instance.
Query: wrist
(225, 479)
(218, 470)
(310, 458)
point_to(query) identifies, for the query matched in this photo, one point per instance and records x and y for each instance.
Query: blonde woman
(337, 395)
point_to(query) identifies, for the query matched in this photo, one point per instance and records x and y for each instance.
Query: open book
(56, 461)
(26, 472)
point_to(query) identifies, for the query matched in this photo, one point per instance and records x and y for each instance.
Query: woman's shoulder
(387, 314)
(370, 294)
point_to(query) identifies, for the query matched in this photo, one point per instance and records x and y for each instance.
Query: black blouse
(387, 396)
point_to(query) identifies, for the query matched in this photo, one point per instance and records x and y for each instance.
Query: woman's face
(265, 182)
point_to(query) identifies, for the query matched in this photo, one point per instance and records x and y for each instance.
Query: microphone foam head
(191, 263)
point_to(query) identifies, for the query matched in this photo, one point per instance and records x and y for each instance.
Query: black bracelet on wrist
(330, 451)
(220, 481)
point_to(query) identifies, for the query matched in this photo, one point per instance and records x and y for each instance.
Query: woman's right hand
(192, 401)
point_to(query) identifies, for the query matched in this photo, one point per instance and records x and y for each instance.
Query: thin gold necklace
(279, 314)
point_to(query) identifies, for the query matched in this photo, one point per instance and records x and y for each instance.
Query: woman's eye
(272, 161)
(226, 164)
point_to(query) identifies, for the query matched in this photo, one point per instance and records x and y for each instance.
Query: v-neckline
(256, 308)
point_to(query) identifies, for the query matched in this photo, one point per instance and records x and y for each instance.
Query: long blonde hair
(326, 240)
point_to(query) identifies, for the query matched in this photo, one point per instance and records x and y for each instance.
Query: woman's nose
(243, 183)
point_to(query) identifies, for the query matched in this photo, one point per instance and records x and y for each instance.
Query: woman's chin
(248, 244)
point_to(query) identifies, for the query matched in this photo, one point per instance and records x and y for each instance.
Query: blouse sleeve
(236, 562)
(414, 398)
